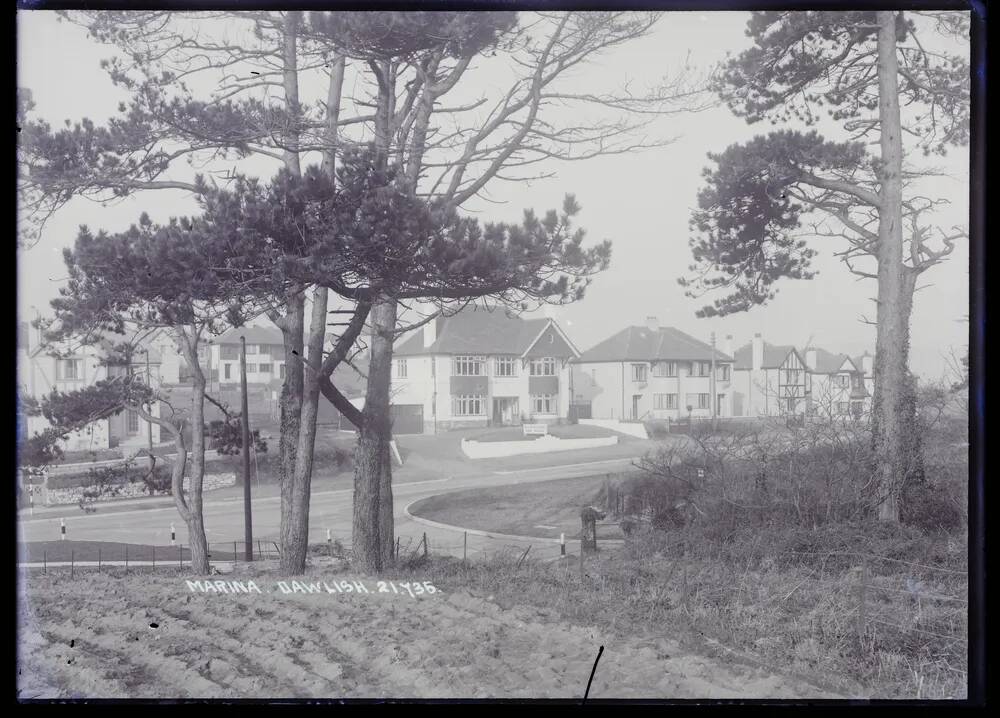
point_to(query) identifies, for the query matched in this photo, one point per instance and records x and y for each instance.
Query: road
(329, 510)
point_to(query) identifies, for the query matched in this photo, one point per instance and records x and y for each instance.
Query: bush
(929, 508)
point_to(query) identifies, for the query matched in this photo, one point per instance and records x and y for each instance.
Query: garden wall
(541, 445)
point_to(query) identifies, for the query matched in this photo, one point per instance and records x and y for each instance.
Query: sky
(640, 201)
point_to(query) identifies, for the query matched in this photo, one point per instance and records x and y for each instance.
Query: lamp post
(245, 420)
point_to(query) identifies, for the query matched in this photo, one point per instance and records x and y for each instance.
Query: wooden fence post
(397, 548)
(425, 544)
(126, 558)
(465, 545)
(862, 618)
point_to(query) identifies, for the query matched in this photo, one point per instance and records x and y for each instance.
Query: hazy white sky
(640, 201)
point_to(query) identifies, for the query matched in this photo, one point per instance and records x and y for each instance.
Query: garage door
(408, 418)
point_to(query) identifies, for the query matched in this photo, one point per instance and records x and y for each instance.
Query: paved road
(328, 510)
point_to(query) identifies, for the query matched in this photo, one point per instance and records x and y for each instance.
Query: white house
(265, 356)
(653, 372)
(782, 380)
(839, 384)
(769, 380)
(481, 367)
(72, 367)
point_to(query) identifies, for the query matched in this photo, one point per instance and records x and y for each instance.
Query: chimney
(758, 352)
(727, 346)
(430, 332)
(652, 324)
(868, 364)
(811, 359)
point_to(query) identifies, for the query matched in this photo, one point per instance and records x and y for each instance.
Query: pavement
(432, 465)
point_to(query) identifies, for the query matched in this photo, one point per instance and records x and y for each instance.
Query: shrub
(929, 508)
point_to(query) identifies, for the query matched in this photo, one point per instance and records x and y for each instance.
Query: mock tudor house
(769, 380)
(653, 372)
(781, 380)
(479, 367)
(839, 386)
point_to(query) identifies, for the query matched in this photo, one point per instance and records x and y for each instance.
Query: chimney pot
(811, 358)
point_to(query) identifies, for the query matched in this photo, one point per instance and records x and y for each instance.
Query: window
(251, 368)
(401, 368)
(131, 422)
(722, 372)
(639, 372)
(701, 368)
(543, 404)
(469, 366)
(664, 401)
(665, 368)
(543, 367)
(226, 370)
(699, 401)
(265, 368)
(790, 404)
(281, 370)
(843, 380)
(792, 376)
(253, 349)
(69, 369)
(842, 407)
(505, 366)
(466, 405)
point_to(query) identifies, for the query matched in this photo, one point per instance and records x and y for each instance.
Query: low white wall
(635, 429)
(541, 445)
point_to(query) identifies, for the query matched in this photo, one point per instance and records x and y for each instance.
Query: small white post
(62, 529)
(562, 544)
(173, 536)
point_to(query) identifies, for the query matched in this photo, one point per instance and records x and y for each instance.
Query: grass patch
(753, 602)
(521, 509)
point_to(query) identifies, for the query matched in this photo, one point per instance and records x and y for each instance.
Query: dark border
(978, 668)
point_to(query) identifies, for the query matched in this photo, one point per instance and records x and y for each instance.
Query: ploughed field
(148, 635)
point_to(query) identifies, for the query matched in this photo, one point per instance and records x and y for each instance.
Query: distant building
(652, 372)
(782, 380)
(70, 367)
(481, 367)
(265, 356)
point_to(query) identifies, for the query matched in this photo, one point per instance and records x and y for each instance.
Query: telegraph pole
(245, 421)
(713, 399)
(149, 424)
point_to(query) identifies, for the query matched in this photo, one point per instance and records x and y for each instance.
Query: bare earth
(92, 637)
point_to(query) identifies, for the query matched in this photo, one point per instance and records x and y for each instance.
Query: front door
(720, 402)
(504, 410)
(635, 405)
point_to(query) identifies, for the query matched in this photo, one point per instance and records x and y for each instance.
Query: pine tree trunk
(290, 405)
(373, 505)
(295, 535)
(892, 412)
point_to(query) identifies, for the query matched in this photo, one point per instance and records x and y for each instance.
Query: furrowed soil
(93, 636)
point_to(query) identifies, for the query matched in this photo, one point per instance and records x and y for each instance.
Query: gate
(407, 418)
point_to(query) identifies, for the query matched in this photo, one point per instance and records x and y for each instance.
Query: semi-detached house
(652, 372)
(481, 367)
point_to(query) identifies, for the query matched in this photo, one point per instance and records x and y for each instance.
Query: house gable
(550, 343)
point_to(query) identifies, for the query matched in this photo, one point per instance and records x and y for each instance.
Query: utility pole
(713, 399)
(149, 424)
(245, 420)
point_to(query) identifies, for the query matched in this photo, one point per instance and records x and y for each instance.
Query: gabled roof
(830, 363)
(254, 335)
(645, 344)
(477, 330)
(859, 361)
(774, 355)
